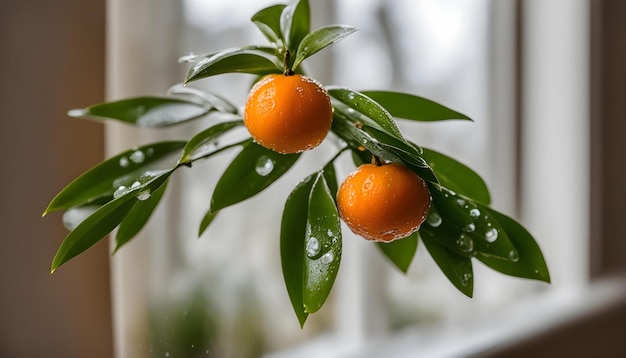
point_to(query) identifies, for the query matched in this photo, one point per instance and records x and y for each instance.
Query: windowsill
(527, 319)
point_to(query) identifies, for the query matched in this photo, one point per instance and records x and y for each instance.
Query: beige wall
(51, 60)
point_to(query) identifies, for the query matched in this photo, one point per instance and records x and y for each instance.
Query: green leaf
(295, 23)
(253, 170)
(361, 140)
(138, 216)
(103, 179)
(458, 177)
(408, 106)
(99, 224)
(357, 138)
(219, 103)
(457, 268)
(319, 39)
(361, 108)
(330, 176)
(531, 263)
(323, 246)
(206, 221)
(268, 21)
(400, 252)
(204, 142)
(145, 112)
(293, 233)
(465, 228)
(238, 60)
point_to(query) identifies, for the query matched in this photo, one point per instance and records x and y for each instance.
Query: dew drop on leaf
(328, 258)
(137, 156)
(465, 278)
(264, 165)
(491, 235)
(469, 227)
(465, 243)
(124, 162)
(135, 184)
(312, 247)
(120, 191)
(513, 256)
(474, 213)
(433, 219)
(74, 216)
(144, 194)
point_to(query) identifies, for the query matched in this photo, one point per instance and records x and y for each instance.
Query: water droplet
(460, 202)
(188, 58)
(329, 233)
(137, 156)
(312, 247)
(77, 112)
(474, 213)
(119, 192)
(264, 165)
(491, 235)
(135, 185)
(149, 151)
(124, 162)
(513, 256)
(351, 95)
(466, 278)
(469, 227)
(167, 354)
(433, 219)
(328, 258)
(144, 194)
(74, 216)
(466, 244)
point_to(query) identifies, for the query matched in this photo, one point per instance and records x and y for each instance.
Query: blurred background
(543, 81)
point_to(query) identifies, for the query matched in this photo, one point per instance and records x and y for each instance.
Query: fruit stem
(287, 71)
(376, 161)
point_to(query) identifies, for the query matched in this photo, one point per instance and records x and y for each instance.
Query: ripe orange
(383, 203)
(288, 113)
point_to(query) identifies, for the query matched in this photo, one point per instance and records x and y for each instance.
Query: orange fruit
(383, 203)
(288, 113)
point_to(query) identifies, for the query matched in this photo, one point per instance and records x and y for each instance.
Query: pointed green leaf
(465, 228)
(458, 269)
(293, 233)
(408, 106)
(458, 177)
(204, 142)
(145, 112)
(138, 216)
(238, 60)
(102, 222)
(400, 252)
(206, 221)
(253, 170)
(322, 250)
(362, 108)
(295, 23)
(319, 39)
(268, 21)
(531, 263)
(103, 179)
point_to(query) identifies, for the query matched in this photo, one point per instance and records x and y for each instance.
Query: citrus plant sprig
(400, 193)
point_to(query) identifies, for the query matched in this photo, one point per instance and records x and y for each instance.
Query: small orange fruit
(288, 113)
(383, 203)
